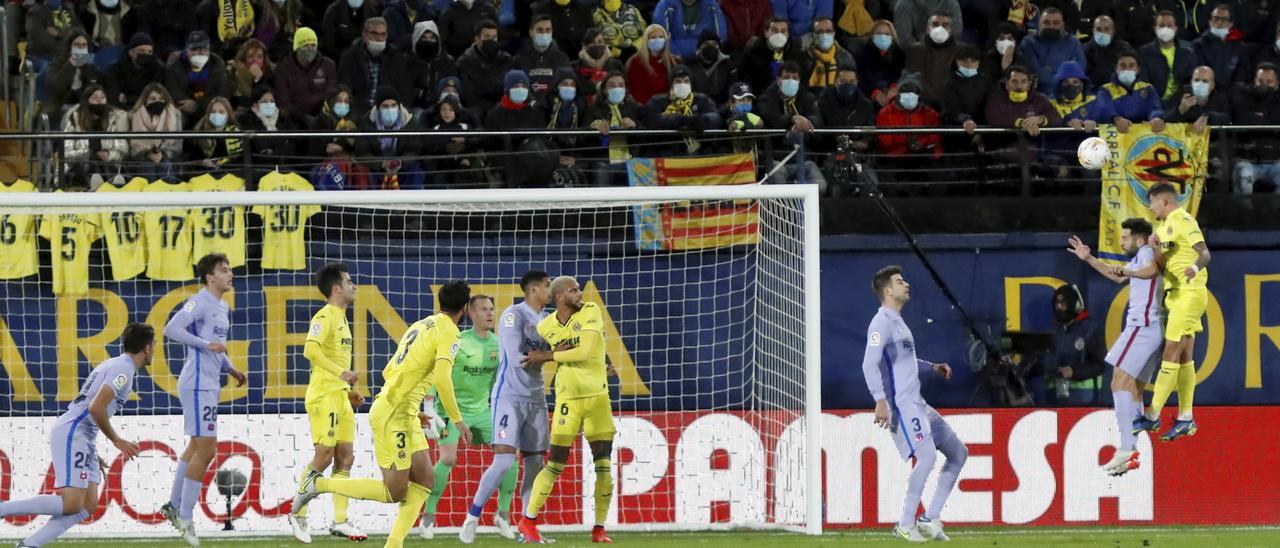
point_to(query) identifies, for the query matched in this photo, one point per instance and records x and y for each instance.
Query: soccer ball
(1093, 153)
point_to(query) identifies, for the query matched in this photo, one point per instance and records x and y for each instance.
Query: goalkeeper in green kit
(474, 371)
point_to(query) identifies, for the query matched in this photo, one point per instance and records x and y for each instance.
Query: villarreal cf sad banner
(1139, 159)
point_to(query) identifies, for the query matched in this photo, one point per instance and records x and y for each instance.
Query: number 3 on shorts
(400, 439)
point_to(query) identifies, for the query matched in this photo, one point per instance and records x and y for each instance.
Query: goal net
(710, 299)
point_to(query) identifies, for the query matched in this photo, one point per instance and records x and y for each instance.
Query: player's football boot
(426, 530)
(1143, 423)
(529, 532)
(598, 536)
(301, 532)
(931, 529)
(170, 513)
(1122, 463)
(306, 491)
(467, 534)
(1180, 428)
(504, 527)
(910, 534)
(188, 530)
(348, 531)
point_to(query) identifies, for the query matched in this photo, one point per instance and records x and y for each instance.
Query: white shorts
(914, 422)
(1137, 351)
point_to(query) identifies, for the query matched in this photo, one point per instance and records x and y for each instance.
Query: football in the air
(1093, 153)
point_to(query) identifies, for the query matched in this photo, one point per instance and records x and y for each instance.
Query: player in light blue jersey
(893, 373)
(76, 466)
(519, 400)
(201, 326)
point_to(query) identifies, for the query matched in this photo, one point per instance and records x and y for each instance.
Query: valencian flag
(1140, 159)
(695, 224)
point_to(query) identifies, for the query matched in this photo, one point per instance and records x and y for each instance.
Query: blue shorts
(199, 412)
(522, 425)
(75, 456)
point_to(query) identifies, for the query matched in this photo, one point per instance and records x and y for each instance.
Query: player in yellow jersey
(1183, 256)
(331, 401)
(576, 332)
(423, 359)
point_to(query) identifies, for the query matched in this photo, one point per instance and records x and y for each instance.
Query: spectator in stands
(933, 58)
(712, 69)
(565, 109)
(336, 114)
(765, 54)
(1258, 154)
(1003, 53)
(682, 108)
(126, 78)
(825, 55)
(843, 106)
(104, 22)
(278, 23)
(1049, 48)
(169, 23)
(788, 105)
(1070, 11)
(305, 77)
(739, 117)
(803, 14)
(880, 64)
(1267, 52)
(343, 24)
(685, 20)
(1133, 20)
(855, 21)
(69, 74)
(49, 23)
(1078, 109)
(595, 61)
(196, 76)
(621, 24)
(453, 160)
(229, 23)
(482, 67)
(965, 97)
(1126, 99)
(155, 112)
(529, 160)
(429, 63)
(263, 115)
(908, 110)
(369, 65)
(541, 56)
(1167, 62)
(649, 69)
(1201, 103)
(1017, 105)
(914, 20)
(214, 154)
(251, 68)
(390, 159)
(460, 23)
(744, 18)
(94, 113)
(569, 21)
(613, 108)
(1219, 51)
(403, 16)
(1100, 53)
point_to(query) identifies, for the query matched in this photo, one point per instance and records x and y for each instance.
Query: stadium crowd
(510, 65)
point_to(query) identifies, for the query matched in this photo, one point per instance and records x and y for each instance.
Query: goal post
(710, 297)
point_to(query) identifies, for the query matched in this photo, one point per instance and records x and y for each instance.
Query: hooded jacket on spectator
(426, 67)
(684, 38)
(1045, 56)
(1081, 107)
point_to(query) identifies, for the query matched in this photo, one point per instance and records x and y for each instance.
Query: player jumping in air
(201, 326)
(424, 358)
(918, 430)
(76, 467)
(330, 399)
(1136, 354)
(473, 377)
(1183, 256)
(576, 331)
(519, 405)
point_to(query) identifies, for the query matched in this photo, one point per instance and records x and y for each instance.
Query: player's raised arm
(1082, 251)
(101, 417)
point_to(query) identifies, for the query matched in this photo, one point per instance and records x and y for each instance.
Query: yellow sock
(1186, 389)
(1166, 382)
(409, 511)
(604, 489)
(340, 501)
(356, 488)
(306, 471)
(542, 488)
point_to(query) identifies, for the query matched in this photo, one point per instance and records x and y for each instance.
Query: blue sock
(43, 505)
(175, 493)
(55, 528)
(190, 496)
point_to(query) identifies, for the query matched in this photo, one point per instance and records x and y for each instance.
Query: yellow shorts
(396, 437)
(332, 419)
(592, 415)
(1185, 307)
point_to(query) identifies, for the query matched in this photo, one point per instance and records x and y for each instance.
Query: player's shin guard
(1125, 413)
(409, 510)
(340, 502)
(356, 488)
(55, 528)
(507, 490)
(1166, 382)
(542, 486)
(306, 471)
(1186, 389)
(604, 489)
(442, 480)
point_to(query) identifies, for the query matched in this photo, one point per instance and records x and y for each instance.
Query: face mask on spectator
(1051, 35)
(825, 40)
(489, 48)
(376, 48)
(1262, 91)
(217, 119)
(909, 100)
(1003, 46)
(109, 4)
(156, 108)
(939, 34)
(1127, 77)
(143, 59)
(341, 110)
(778, 40)
(267, 109)
(847, 91)
(656, 44)
(518, 95)
(596, 51)
(682, 90)
(567, 93)
(742, 108)
(709, 53)
(1102, 39)
(541, 40)
(1069, 91)
(1018, 96)
(79, 52)
(98, 109)
(389, 115)
(617, 95)
(967, 72)
(355, 4)
(307, 54)
(1221, 33)
(789, 87)
(1166, 34)
(882, 41)
(198, 61)
(1200, 89)
(427, 49)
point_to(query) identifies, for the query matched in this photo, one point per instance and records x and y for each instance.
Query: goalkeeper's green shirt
(474, 370)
